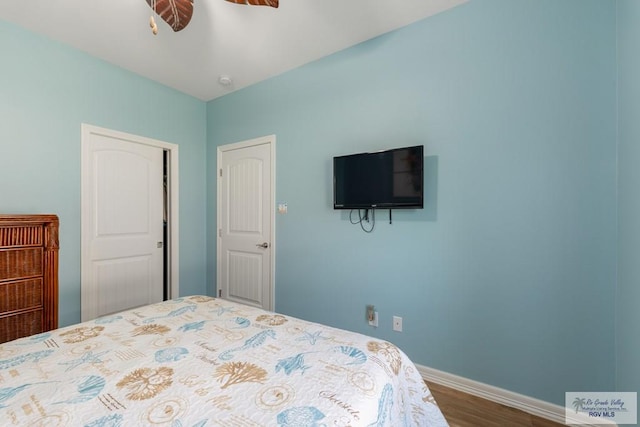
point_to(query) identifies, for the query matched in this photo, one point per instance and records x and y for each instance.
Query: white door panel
(122, 179)
(245, 221)
(123, 228)
(123, 283)
(244, 275)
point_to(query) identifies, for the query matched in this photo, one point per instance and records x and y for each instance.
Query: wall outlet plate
(374, 322)
(372, 315)
(397, 323)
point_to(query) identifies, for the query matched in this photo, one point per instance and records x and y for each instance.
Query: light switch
(282, 208)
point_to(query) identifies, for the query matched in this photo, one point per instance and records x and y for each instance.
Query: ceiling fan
(177, 13)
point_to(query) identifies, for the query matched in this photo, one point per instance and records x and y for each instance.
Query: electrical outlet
(374, 322)
(372, 316)
(397, 323)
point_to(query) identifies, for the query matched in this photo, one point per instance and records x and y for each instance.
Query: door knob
(264, 245)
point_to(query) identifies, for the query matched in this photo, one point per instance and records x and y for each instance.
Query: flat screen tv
(388, 179)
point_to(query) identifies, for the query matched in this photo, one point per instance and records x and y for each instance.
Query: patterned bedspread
(200, 361)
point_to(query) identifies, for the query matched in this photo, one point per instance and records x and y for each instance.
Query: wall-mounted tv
(388, 179)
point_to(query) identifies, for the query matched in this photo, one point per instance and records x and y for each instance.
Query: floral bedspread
(199, 361)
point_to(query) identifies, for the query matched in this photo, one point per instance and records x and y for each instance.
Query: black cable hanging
(364, 218)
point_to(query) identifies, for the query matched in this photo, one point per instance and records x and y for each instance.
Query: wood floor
(464, 410)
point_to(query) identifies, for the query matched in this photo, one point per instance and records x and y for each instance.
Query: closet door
(122, 229)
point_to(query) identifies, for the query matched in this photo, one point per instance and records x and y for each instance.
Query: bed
(200, 361)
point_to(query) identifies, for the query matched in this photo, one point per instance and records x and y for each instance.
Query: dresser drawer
(20, 325)
(21, 235)
(20, 295)
(22, 262)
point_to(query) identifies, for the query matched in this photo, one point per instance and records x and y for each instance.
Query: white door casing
(246, 222)
(122, 221)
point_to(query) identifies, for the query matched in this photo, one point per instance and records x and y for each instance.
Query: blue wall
(46, 91)
(628, 296)
(508, 275)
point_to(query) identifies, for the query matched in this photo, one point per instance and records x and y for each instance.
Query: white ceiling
(247, 43)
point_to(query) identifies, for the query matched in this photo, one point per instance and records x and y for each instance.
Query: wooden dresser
(28, 275)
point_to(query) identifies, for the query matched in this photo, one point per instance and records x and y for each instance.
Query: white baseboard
(533, 406)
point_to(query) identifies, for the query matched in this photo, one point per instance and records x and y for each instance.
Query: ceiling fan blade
(176, 13)
(272, 3)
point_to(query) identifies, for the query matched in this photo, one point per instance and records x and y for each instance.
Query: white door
(245, 222)
(122, 223)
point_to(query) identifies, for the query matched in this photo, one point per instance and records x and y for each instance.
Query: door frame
(173, 233)
(269, 140)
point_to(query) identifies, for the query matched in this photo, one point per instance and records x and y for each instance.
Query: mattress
(199, 361)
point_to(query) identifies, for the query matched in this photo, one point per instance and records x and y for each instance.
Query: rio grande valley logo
(616, 407)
